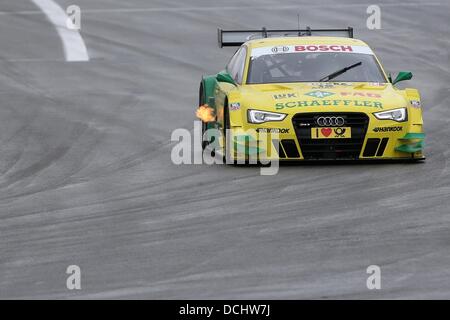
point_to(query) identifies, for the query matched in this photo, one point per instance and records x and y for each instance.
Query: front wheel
(201, 102)
(227, 147)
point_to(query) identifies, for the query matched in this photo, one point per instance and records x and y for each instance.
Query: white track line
(74, 47)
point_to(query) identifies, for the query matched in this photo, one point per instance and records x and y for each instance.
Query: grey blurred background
(86, 176)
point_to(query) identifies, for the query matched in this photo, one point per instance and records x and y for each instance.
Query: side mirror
(402, 76)
(225, 77)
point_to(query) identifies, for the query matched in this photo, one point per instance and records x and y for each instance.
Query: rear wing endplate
(235, 38)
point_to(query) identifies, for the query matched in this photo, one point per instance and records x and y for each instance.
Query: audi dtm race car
(323, 97)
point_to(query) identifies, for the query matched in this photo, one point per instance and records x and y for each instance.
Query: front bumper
(371, 139)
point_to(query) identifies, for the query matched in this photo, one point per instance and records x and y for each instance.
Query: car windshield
(312, 67)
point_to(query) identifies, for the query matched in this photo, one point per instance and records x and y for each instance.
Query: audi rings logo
(330, 121)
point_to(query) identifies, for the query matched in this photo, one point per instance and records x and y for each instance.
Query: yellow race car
(322, 93)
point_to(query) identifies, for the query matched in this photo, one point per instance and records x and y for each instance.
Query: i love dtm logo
(339, 132)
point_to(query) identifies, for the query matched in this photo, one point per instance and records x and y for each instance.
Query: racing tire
(201, 101)
(226, 143)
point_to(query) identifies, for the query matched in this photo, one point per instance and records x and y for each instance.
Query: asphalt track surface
(86, 176)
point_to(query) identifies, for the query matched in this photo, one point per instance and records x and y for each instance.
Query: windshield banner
(257, 52)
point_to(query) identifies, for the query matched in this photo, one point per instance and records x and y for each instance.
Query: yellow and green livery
(325, 97)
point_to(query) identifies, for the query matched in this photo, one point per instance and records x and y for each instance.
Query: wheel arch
(208, 87)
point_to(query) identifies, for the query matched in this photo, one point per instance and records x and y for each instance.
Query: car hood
(322, 96)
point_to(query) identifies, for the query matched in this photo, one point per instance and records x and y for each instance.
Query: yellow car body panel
(403, 140)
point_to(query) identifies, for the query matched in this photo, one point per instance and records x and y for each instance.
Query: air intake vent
(371, 147)
(290, 148)
(382, 146)
(331, 148)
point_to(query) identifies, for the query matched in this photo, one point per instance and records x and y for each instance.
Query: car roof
(280, 41)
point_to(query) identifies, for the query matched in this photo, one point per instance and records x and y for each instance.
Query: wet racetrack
(86, 176)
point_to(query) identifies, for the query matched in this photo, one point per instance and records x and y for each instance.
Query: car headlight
(399, 115)
(258, 116)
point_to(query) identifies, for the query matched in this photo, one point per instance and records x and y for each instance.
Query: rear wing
(235, 38)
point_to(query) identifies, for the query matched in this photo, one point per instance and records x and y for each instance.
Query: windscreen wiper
(339, 72)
